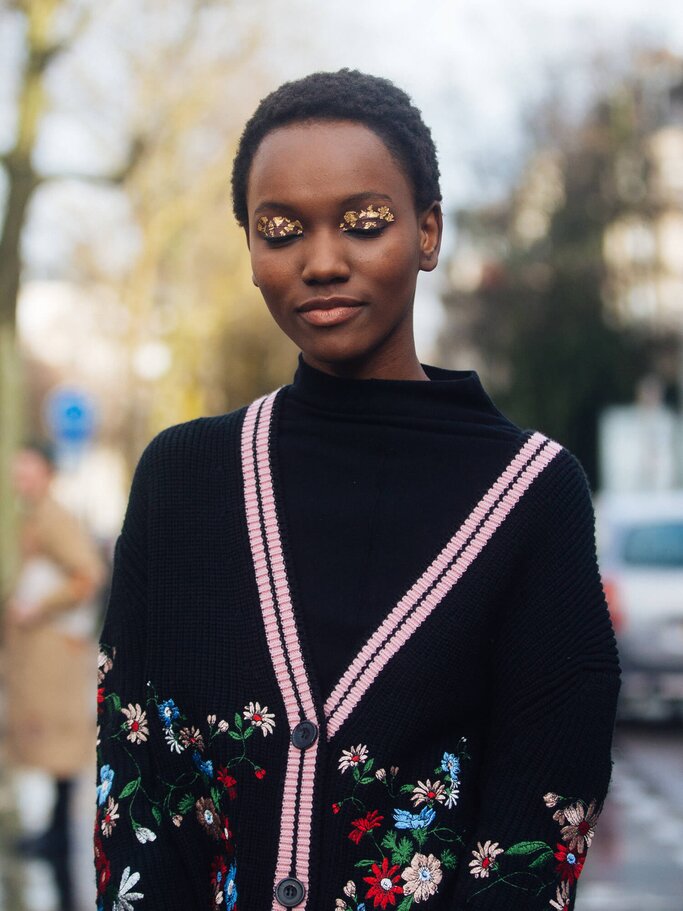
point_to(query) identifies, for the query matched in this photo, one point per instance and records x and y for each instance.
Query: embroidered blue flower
(168, 712)
(230, 889)
(106, 782)
(204, 766)
(404, 819)
(451, 764)
(361, 907)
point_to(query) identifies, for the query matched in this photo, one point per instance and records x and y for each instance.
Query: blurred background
(126, 303)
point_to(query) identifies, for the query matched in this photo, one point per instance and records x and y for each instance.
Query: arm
(134, 857)
(554, 686)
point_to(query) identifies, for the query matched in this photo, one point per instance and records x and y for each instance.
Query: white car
(640, 549)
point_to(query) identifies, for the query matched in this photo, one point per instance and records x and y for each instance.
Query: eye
(368, 222)
(279, 229)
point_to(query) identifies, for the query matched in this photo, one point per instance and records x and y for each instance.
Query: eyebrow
(348, 201)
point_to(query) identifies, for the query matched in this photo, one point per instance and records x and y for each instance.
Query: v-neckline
(268, 536)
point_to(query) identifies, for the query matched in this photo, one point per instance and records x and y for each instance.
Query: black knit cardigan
(462, 758)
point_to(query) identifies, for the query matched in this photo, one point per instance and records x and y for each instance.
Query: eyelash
(288, 238)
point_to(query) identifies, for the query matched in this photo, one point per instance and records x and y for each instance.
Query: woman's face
(336, 245)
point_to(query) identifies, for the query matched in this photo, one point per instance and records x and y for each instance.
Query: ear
(431, 229)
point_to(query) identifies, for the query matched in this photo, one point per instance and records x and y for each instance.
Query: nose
(325, 259)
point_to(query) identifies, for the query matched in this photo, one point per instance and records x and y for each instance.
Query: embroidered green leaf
(364, 863)
(356, 773)
(403, 853)
(406, 903)
(238, 721)
(366, 779)
(420, 836)
(130, 788)
(389, 841)
(235, 735)
(542, 860)
(368, 766)
(216, 796)
(185, 804)
(407, 788)
(156, 813)
(249, 731)
(527, 847)
(115, 701)
(448, 859)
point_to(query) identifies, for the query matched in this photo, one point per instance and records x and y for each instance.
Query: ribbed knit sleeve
(548, 750)
(134, 858)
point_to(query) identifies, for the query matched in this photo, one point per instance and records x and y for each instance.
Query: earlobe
(431, 229)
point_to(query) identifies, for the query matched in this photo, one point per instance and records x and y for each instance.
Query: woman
(49, 626)
(357, 653)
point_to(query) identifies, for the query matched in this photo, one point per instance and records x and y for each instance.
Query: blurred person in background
(49, 645)
(357, 652)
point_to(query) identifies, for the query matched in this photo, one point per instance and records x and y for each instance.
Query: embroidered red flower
(100, 699)
(227, 781)
(371, 820)
(335, 808)
(218, 870)
(260, 773)
(383, 889)
(570, 863)
(102, 866)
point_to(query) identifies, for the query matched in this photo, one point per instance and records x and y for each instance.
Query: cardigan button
(290, 892)
(304, 735)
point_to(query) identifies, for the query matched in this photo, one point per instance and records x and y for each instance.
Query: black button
(304, 735)
(290, 892)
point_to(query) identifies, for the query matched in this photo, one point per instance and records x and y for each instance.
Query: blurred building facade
(567, 295)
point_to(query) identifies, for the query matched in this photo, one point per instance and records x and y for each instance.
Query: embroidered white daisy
(174, 745)
(561, 901)
(580, 826)
(452, 796)
(350, 888)
(353, 757)
(422, 877)
(427, 792)
(136, 722)
(484, 858)
(111, 814)
(125, 898)
(104, 665)
(260, 717)
(550, 799)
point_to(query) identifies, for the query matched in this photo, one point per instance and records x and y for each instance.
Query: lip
(329, 311)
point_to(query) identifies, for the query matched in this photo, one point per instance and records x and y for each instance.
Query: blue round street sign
(70, 415)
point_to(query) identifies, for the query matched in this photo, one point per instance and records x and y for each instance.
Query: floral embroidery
(561, 901)
(383, 884)
(136, 723)
(125, 898)
(416, 846)
(422, 877)
(201, 790)
(534, 866)
(260, 717)
(484, 859)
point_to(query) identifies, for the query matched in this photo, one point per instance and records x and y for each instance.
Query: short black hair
(344, 95)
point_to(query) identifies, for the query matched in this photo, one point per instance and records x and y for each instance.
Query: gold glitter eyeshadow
(279, 226)
(367, 219)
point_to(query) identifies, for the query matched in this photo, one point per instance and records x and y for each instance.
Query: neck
(383, 365)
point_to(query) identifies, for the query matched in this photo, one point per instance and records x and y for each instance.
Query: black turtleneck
(376, 476)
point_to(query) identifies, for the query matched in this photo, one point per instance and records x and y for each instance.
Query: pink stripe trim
(265, 542)
(445, 584)
(390, 624)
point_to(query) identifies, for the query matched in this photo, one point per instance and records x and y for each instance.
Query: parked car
(640, 549)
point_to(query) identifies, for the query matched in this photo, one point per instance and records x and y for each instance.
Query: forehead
(322, 161)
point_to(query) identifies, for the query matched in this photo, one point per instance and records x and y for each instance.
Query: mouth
(329, 311)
